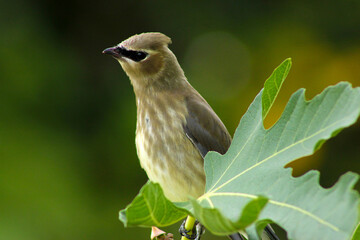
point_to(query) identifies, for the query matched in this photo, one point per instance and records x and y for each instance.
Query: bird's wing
(204, 128)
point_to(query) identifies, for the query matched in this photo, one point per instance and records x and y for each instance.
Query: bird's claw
(197, 231)
(200, 230)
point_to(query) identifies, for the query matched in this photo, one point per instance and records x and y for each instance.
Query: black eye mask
(136, 56)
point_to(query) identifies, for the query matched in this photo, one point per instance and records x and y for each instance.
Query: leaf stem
(189, 225)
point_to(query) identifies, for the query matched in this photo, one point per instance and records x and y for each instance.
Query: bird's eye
(137, 56)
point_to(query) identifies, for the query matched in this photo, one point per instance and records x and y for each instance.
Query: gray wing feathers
(204, 128)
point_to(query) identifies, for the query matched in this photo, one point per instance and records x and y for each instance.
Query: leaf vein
(150, 210)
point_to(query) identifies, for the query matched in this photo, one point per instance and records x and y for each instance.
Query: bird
(176, 127)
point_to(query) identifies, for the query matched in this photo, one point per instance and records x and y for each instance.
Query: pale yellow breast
(166, 154)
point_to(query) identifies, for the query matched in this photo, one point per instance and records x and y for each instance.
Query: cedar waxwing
(176, 127)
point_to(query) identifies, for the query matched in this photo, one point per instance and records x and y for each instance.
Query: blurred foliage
(67, 120)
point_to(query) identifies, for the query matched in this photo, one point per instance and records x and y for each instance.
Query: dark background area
(67, 119)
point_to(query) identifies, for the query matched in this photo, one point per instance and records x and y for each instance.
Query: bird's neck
(153, 88)
(157, 97)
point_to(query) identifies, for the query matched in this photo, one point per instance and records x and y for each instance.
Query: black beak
(112, 51)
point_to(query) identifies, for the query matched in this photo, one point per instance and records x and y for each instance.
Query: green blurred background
(67, 119)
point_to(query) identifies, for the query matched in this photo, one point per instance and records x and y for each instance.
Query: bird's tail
(268, 234)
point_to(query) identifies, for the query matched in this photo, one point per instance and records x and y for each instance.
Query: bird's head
(146, 59)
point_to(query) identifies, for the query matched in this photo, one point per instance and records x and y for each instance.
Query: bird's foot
(200, 230)
(196, 232)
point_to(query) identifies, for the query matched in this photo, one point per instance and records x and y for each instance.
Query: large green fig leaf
(254, 163)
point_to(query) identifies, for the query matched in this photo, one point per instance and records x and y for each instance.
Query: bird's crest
(146, 41)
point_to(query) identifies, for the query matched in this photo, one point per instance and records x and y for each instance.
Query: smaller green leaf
(213, 220)
(252, 210)
(272, 86)
(151, 208)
